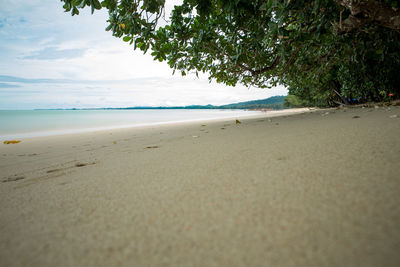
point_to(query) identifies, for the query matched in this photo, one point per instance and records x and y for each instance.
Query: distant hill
(275, 102)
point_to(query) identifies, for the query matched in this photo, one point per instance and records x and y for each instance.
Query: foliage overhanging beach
(327, 53)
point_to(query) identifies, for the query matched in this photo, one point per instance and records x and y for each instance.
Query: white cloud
(33, 36)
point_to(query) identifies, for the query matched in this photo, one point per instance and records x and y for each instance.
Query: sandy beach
(313, 188)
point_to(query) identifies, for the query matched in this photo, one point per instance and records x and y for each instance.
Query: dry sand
(311, 189)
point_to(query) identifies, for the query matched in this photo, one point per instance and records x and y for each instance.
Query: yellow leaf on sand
(238, 122)
(12, 142)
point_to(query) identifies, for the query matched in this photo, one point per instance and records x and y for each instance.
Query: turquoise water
(32, 123)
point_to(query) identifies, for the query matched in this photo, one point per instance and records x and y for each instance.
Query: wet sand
(320, 188)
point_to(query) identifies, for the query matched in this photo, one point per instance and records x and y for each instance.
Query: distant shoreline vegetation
(273, 103)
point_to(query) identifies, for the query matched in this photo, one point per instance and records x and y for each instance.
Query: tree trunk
(363, 12)
(344, 100)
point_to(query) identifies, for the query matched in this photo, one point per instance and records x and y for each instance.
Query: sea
(17, 124)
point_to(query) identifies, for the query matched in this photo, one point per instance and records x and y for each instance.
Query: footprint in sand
(79, 164)
(150, 147)
(54, 170)
(13, 179)
(82, 164)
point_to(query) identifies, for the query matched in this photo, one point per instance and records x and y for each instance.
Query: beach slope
(320, 188)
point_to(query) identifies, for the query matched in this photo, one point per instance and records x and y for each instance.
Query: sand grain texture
(314, 189)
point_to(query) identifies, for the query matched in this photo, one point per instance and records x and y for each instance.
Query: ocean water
(33, 123)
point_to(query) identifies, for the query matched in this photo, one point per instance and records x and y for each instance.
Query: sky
(50, 59)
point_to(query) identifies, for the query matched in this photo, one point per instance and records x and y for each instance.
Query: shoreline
(64, 132)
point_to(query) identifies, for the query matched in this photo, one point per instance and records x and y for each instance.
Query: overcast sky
(50, 59)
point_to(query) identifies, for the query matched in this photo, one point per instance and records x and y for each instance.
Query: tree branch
(260, 71)
(291, 59)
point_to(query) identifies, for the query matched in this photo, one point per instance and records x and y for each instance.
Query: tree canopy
(325, 52)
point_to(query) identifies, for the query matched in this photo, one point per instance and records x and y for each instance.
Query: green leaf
(82, 4)
(92, 6)
(109, 27)
(96, 4)
(266, 6)
(75, 11)
(127, 38)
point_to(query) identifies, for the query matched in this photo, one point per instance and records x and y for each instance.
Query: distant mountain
(275, 102)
